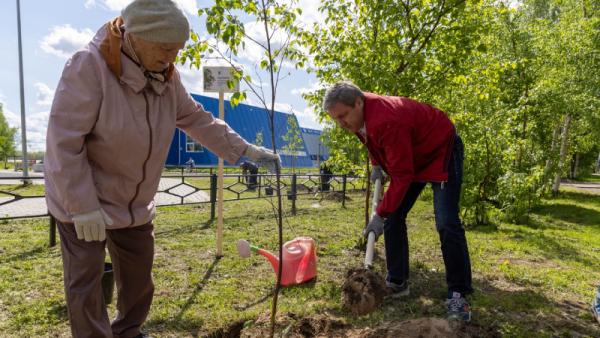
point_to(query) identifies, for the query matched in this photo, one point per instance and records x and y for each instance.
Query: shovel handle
(376, 195)
(370, 249)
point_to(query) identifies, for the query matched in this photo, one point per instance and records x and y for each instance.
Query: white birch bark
(563, 153)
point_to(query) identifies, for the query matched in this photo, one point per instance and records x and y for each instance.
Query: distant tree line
(7, 139)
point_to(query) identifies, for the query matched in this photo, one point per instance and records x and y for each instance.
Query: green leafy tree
(259, 140)
(293, 140)
(409, 48)
(520, 83)
(7, 139)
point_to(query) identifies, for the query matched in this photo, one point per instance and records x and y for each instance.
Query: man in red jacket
(415, 144)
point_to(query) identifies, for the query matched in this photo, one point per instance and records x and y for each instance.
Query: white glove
(91, 226)
(263, 157)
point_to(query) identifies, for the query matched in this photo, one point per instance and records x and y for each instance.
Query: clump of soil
(363, 291)
(232, 331)
(336, 196)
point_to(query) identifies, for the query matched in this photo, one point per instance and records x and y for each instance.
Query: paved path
(589, 187)
(36, 206)
(9, 176)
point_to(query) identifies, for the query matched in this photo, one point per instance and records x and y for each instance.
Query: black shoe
(396, 290)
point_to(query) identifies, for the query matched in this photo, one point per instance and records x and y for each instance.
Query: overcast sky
(53, 30)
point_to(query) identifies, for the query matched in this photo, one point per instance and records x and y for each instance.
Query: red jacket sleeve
(397, 146)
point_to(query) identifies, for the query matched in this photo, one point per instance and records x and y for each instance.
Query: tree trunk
(575, 166)
(549, 161)
(563, 154)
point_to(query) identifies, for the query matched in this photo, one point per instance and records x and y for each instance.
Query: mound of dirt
(336, 196)
(291, 325)
(363, 291)
(297, 327)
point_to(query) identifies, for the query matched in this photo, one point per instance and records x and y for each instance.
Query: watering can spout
(245, 248)
(271, 258)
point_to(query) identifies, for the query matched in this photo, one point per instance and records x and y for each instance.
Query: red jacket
(411, 141)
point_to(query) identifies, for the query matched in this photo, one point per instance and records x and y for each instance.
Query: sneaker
(596, 307)
(458, 308)
(396, 290)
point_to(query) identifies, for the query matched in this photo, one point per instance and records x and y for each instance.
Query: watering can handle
(303, 265)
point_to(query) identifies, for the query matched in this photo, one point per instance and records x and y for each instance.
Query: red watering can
(299, 259)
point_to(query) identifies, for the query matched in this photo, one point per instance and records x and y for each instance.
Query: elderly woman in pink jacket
(116, 108)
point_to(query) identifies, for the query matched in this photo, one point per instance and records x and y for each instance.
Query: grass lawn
(531, 280)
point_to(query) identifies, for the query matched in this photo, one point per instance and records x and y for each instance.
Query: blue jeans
(446, 197)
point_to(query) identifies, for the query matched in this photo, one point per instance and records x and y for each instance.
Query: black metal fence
(181, 187)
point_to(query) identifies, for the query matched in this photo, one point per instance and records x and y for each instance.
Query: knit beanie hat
(156, 21)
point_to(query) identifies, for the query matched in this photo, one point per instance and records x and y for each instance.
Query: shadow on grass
(58, 309)
(575, 214)
(177, 321)
(499, 308)
(180, 230)
(25, 255)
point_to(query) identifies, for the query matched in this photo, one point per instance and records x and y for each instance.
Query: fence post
(52, 231)
(293, 194)
(259, 184)
(344, 190)
(213, 195)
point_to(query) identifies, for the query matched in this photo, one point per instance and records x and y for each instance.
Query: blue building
(248, 121)
(316, 149)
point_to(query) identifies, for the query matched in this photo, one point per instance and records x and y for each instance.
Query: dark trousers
(446, 197)
(132, 253)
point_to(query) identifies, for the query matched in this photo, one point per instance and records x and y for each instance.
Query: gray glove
(376, 173)
(263, 157)
(375, 225)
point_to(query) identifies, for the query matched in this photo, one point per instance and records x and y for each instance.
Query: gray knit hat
(156, 21)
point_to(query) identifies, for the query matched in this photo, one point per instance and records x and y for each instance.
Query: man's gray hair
(344, 92)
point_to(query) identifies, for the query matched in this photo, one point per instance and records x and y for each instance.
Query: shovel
(371, 235)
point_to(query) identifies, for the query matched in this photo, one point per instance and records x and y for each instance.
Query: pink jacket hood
(108, 136)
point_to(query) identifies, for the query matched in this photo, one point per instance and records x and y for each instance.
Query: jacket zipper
(137, 188)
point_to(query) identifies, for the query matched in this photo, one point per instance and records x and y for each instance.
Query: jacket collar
(124, 69)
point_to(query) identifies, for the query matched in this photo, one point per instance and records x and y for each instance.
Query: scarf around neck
(117, 42)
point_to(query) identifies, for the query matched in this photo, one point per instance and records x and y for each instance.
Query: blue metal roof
(247, 121)
(314, 145)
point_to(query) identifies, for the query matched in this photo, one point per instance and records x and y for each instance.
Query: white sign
(216, 78)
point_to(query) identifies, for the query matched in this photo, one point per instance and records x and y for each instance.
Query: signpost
(216, 79)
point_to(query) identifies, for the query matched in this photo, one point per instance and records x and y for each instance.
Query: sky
(52, 31)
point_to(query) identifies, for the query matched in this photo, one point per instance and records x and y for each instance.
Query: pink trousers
(132, 252)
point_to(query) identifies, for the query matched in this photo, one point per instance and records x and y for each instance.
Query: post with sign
(216, 79)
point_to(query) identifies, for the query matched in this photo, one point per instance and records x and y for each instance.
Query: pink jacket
(108, 136)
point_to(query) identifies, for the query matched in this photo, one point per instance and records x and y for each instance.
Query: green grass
(22, 189)
(531, 280)
(591, 178)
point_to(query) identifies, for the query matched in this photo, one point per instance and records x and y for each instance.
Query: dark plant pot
(269, 191)
(290, 195)
(108, 283)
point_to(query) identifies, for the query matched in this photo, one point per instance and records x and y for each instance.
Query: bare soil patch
(329, 326)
